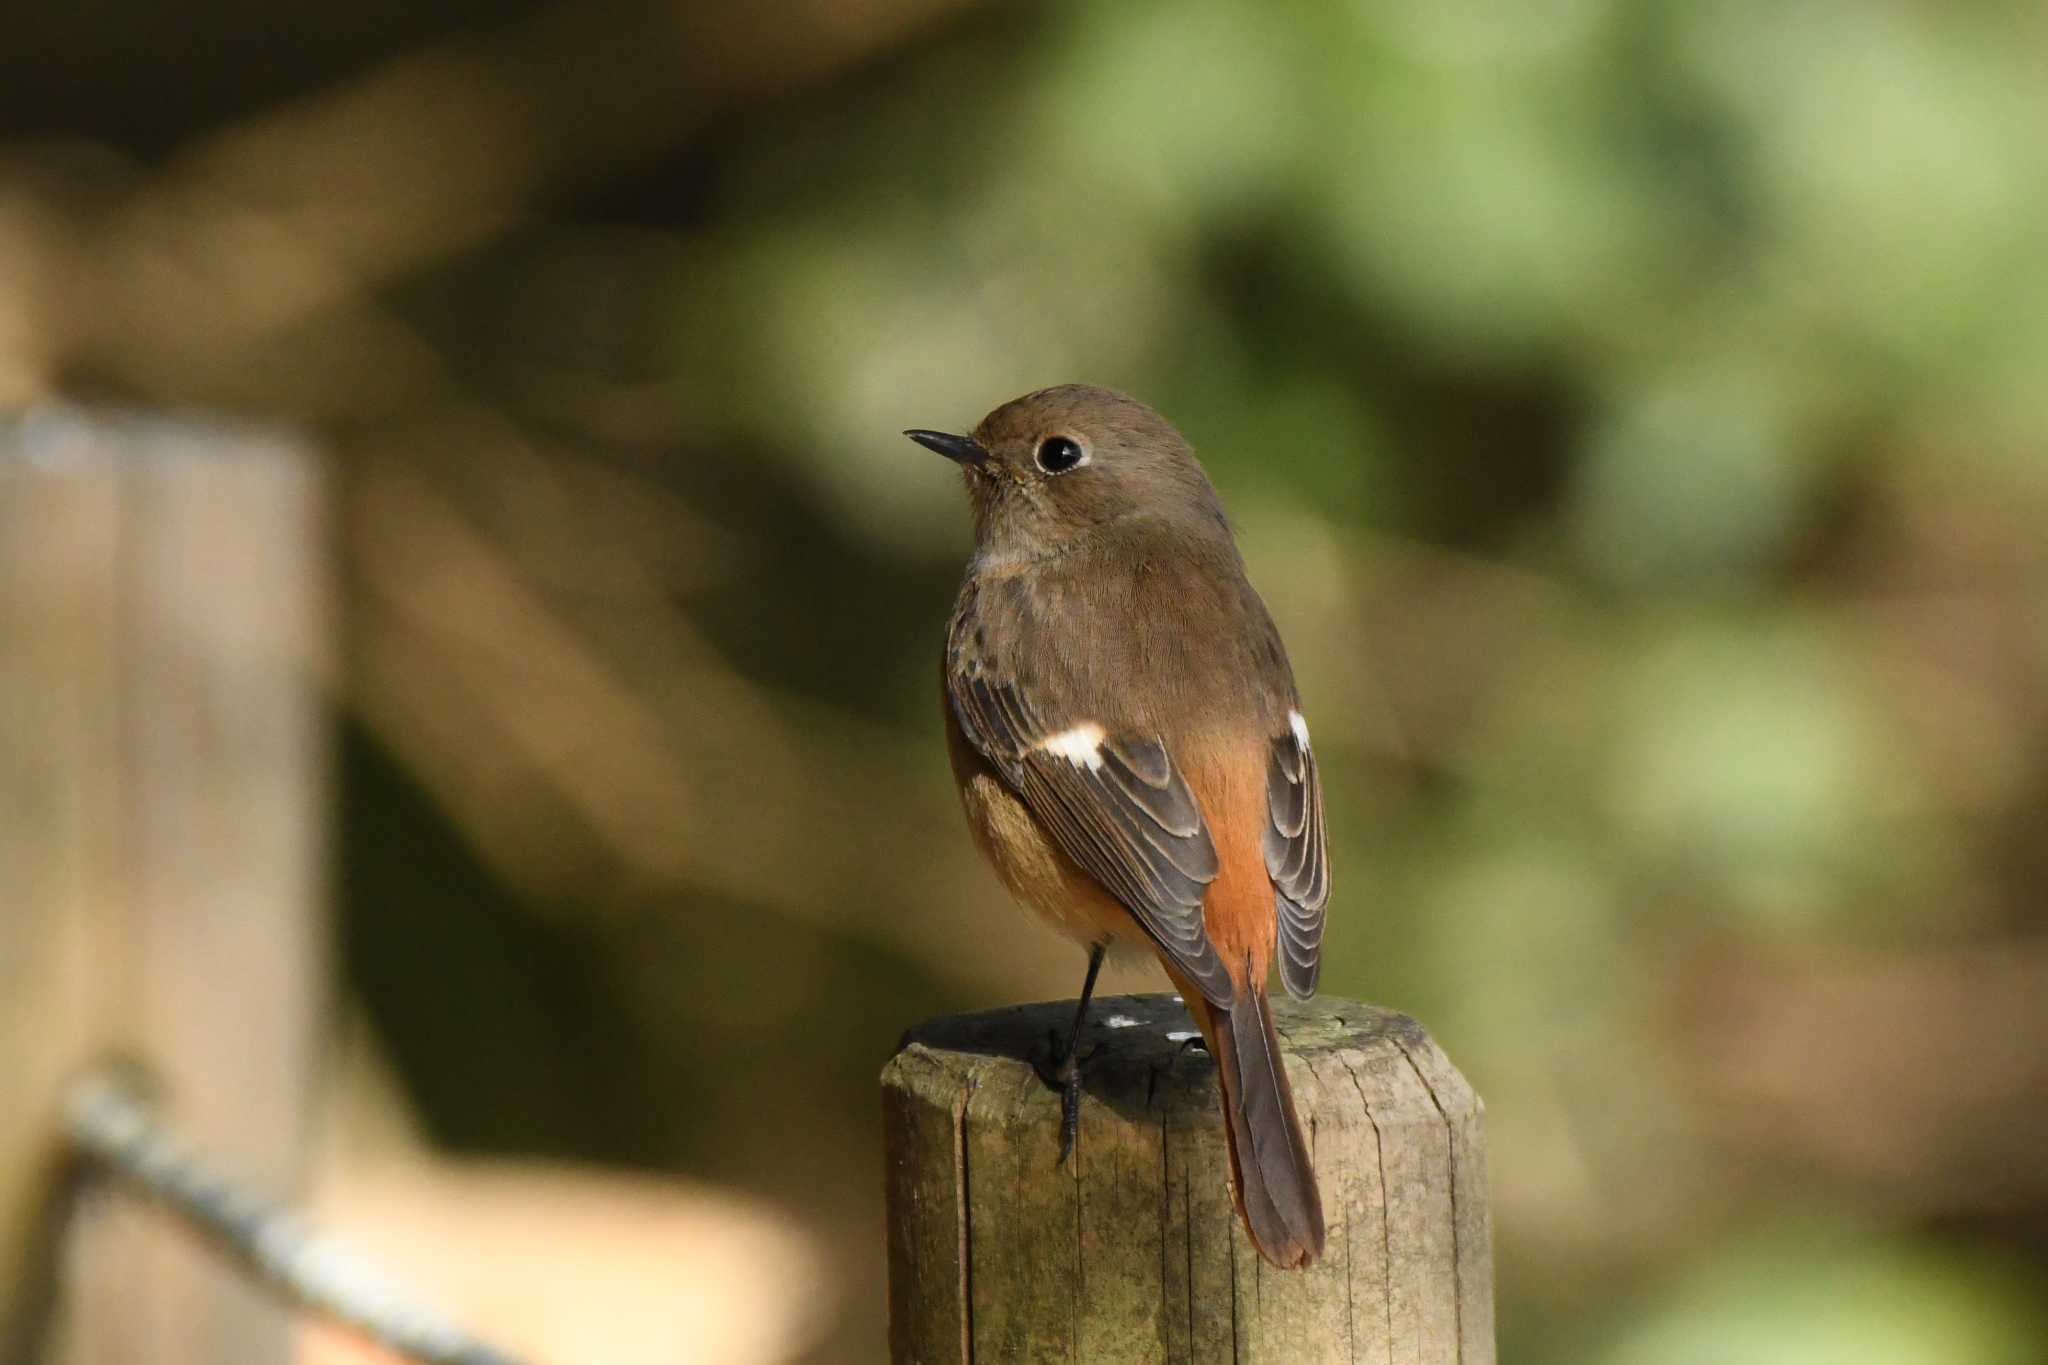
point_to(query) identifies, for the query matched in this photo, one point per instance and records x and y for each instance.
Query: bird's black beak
(959, 449)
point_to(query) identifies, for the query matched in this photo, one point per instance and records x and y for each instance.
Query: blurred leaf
(1790, 1301)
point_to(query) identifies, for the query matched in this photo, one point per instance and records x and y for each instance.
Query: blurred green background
(1634, 414)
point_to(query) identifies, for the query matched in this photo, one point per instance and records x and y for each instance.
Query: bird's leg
(1065, 1073)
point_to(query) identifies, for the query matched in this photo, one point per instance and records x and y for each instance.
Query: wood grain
(1132, 1251)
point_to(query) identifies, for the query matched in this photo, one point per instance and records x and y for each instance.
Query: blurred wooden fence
(163, 772)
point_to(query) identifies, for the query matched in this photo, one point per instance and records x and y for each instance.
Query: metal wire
(110, 1122)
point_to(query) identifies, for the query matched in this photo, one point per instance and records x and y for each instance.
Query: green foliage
(1625, 404)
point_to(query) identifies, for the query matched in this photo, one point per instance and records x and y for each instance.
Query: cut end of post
(989, 1236)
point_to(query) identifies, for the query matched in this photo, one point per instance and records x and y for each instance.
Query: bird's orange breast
(1227, 777)
(1026, 860)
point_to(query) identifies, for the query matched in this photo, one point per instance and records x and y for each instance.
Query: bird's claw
(1064, 1075)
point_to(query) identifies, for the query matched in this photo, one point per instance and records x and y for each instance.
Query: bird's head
(1047, 471)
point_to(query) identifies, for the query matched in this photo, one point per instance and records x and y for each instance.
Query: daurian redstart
(1130, 749)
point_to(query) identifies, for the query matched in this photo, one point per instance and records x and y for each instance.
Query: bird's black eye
(1058, 454)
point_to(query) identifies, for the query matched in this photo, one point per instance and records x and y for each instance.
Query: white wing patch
(1080, 746)
(1299, 724)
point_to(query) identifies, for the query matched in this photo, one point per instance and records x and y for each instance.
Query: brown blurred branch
(595, 768)
(241, 274)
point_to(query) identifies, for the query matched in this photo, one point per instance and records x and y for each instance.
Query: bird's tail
(1271, 1176)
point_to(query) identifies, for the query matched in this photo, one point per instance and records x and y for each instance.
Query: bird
(1124, 727)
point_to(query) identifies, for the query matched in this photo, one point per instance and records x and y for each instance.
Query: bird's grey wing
(1297, 856)
(1115, 803)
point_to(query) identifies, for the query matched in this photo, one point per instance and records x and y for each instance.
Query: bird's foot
(1063, 1073)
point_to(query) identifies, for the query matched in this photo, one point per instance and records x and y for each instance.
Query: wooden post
(162, 778)
(1132, 1252)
